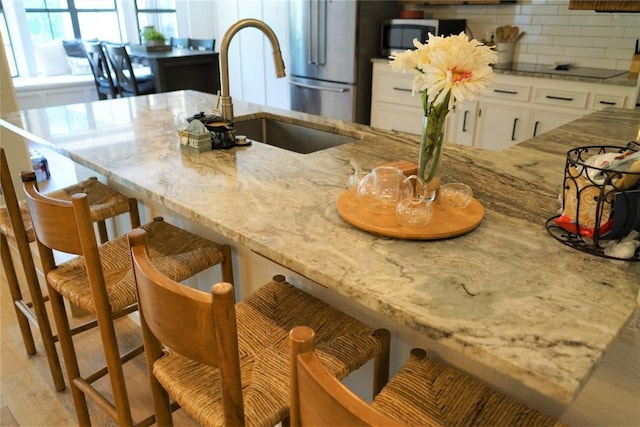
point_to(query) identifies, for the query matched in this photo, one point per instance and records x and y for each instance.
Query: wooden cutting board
(446, 222)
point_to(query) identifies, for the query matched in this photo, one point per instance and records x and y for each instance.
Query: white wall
(553, 32)
(251, 68)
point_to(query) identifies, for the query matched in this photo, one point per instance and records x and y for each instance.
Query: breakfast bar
(506, 296)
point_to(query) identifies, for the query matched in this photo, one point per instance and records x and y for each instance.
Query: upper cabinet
(605, 5)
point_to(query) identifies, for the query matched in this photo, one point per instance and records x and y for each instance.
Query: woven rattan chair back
(250, 347)
(186, 320)
(423, 392)
(17, 229)
(317, 397)
(101, 282)
(55, 229)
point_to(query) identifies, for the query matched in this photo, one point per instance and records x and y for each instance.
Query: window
(38, 22)
(6, 41)
(72, 19)
(160, 14)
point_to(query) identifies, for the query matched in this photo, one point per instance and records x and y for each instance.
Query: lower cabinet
(543, 121)
(501, 126)
(514, 108)
(462, 121)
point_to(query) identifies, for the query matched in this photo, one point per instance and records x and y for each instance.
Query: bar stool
(424, 392)
(226, 363)
(16, 227)
(100, 281)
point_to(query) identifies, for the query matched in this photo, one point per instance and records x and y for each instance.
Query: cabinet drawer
(601, 100)
(395, 88)
(396, 117)
(509, 92)
(560, 98)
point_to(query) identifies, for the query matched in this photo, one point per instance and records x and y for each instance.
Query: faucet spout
(225, 97)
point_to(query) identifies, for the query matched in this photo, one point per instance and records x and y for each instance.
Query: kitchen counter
(576, 74)
(506, 295)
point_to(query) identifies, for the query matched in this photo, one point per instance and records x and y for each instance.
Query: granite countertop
(506, 295)
(576, 74)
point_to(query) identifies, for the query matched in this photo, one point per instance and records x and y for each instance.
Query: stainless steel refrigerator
(332, 43)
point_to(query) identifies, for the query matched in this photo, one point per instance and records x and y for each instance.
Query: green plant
(154, 35)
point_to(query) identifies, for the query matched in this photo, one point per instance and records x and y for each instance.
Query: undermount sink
(289, 136)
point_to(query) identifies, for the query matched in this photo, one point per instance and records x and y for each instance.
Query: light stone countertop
(576, 74)
(506, 295)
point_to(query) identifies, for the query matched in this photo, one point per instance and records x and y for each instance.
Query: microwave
(398, 34)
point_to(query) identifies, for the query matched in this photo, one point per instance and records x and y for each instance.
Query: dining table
(178, 68)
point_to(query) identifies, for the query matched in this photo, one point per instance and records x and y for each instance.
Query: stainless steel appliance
(398, 34)
(332, 43)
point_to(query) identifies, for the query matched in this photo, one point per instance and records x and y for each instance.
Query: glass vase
(430, 156)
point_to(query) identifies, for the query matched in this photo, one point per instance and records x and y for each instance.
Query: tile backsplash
(553, 33)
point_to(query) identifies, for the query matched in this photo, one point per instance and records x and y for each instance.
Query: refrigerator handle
(328, 89)
(317, 32)
(309, 38)
(322, 32)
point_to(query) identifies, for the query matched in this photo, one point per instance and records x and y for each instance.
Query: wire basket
(599, 204)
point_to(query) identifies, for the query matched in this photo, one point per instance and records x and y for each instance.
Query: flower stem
(432, 138)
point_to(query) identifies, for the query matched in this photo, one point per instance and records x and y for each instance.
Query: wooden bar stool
(16, 229)
(100, 281)
(226, 363)
(424, 392)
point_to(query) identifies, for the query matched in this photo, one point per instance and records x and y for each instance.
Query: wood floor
(27, 394)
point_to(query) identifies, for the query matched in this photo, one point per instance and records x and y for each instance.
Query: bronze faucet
(227, 105)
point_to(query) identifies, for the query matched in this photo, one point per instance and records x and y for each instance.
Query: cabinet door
(501, 126)
(396, 117)
(463, 123)
(543, 121)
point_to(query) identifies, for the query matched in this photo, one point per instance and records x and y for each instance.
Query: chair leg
(40, 311)
(114, 366)
(381, 362)
(227, 265)
(69, 355)
(102, 231)
(16, 295)
(134, 214)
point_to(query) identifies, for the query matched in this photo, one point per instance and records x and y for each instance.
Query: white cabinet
(393, 106)
(463, 123)
(501, 126)
(513, 109)
(543, 121)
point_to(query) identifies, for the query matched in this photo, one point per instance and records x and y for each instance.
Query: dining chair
(100, 281)
(129, 84)
(180, 43)
(423, 392)
(202, 44)
(16, 229)
(226, 363)
(102, 74)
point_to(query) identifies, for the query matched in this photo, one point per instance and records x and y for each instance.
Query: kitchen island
(506, 297)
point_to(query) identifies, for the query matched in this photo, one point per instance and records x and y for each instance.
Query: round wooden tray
(446, 222)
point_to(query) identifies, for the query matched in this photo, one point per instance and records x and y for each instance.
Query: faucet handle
(216, 108)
